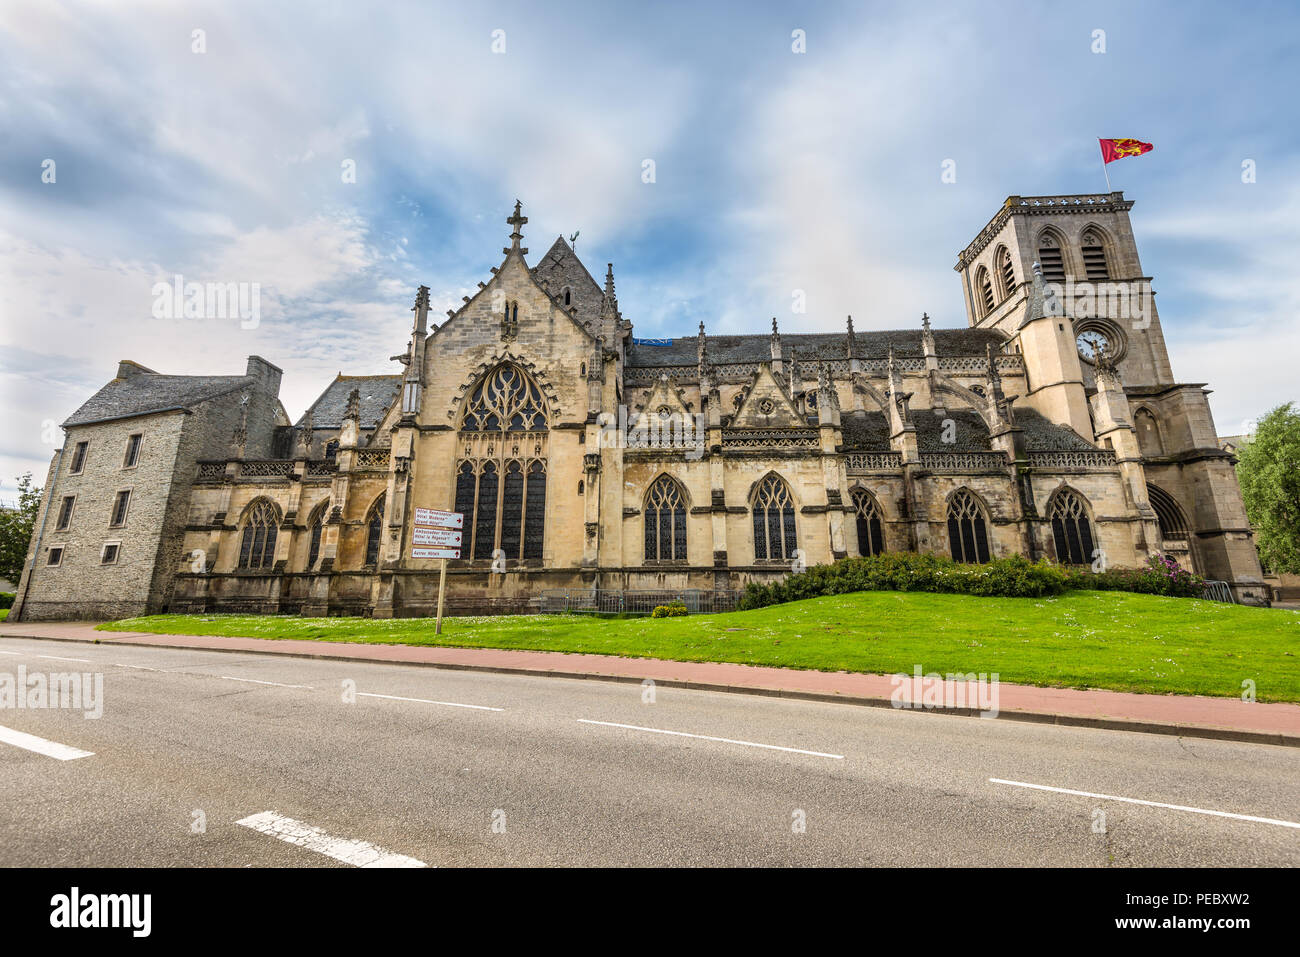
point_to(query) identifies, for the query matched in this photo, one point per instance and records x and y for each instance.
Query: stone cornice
(1086, 203)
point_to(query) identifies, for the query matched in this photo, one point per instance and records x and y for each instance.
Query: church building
(583, 457)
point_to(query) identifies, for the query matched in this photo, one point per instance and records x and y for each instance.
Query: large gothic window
(1071, 528)
(501, 478)
(257, 545)
(985, 286)
(871, 530)
(665, 522)
(505, 400)
(374, 531)
(968, 533)
(774, 531)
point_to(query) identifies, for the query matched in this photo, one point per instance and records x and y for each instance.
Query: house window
(968, 534)
(1094, 258)
(1050, 259)
(120, 504)
(132, 451)
(55, 556)
(871, 531)
(257, 545)
(1071, 528)
(665, 522)
(985, 287)
(65, 513)
(109, 554)
(79, 457)
(374, 531)
(774, 530)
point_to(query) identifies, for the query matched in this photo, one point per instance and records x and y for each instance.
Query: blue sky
(774, 171)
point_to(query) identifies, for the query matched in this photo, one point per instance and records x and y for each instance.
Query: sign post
(437, 534)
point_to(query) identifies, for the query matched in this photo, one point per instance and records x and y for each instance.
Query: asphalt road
(573, 772)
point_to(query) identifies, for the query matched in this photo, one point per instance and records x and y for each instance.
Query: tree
(1268, 467)
(16, 526)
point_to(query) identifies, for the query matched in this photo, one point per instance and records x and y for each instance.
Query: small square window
(132, 451)
(56, 556)
(120, 504)
(109, 555)
(79, 457)
(65, 513)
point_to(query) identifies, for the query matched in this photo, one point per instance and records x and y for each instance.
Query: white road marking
(449, 704)
(254, 681)
(707, 737)
(18, 654)
(116, 664)
(51, 749)
(356, 853)
(1171, 807)
(57, 658)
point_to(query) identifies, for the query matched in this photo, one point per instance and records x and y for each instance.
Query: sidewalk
(1222, 718)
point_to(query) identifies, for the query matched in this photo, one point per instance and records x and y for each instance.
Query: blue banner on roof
(651, 342)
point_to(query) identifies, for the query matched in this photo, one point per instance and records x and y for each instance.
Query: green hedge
(671, 610)
(1011, 577)
(6, 599)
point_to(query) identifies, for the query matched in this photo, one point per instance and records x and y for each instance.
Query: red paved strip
(1186, 714)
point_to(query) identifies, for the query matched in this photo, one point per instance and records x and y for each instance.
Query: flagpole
(1105, 172)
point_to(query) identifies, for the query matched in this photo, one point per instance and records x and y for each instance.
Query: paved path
(235, 759)
(1197, 716)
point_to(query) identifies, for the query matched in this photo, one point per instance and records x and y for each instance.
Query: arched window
(984, 288)
(1094, 257)
(505, 400)
(968, 533)
(871, 530)
(1071, 528)
(1050, 258)
(257, 545)
(1006, 272)
(501, 481)
(317, 525)
(1173, 523)
(331, 450)
(1148, 433)
(774, 531)
(568, 296)
(665, 522)
(374, 531)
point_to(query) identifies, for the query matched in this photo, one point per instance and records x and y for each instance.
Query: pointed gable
(561, 269)
(767, 405)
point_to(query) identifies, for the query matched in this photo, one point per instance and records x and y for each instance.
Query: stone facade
(583, 457)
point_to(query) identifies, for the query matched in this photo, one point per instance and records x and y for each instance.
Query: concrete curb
(1035, 717)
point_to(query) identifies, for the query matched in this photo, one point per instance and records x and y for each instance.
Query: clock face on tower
(1093, 343)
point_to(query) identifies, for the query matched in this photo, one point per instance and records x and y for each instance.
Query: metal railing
(635, 601)
(1218, 591)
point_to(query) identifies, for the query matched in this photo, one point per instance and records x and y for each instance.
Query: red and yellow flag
(1112, 150)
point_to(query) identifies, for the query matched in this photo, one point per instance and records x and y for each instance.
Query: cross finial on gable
(517, 220)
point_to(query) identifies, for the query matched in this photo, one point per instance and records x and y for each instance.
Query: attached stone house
(583, 457)
(110, 532)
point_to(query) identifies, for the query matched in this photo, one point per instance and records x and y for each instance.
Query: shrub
(6, 599)
(673, 610)
(1161, 575)
(1014, 576)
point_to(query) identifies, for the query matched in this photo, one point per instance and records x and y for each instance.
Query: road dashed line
(709, 737)
(357, 853)
(51, 749)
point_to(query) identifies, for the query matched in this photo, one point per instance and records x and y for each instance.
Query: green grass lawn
(1115, 640)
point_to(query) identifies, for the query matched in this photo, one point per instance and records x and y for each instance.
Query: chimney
(267, 375)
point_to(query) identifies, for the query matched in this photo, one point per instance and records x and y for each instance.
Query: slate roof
(869, 432)
(147, 393)
(561, 267)
(377, 395)
(812, 346)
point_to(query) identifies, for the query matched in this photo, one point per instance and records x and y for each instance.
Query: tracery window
(501, 480)
(1050, 259)
(871, 530)
(1006, 272)
(374, 531)
(968, 534)
(1071, 528)
(317, 524)
(665, 522)
(505, 400)
(985, 286)
(257, 544)
(774, 529)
